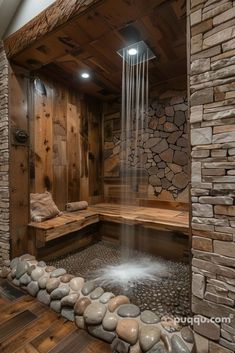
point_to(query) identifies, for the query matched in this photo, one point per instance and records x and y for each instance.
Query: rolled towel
(76, 206)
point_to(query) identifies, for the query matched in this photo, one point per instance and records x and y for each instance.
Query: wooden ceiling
(91, 41)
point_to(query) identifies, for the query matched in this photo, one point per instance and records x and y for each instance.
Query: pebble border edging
(105, 316)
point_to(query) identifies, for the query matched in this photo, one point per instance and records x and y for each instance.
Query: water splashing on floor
(128, 274)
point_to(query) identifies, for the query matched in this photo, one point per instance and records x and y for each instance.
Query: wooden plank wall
(64, 151)
(66, 131)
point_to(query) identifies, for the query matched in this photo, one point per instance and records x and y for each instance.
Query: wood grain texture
(19, 155)
(77, 46)
(15, 324)
(73, 152)
(157, 218)
(43, 143)
(31, 327)
(54, 16)
(60, 162)
(65, 128)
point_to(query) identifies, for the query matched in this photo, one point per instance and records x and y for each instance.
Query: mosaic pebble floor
(167, 296)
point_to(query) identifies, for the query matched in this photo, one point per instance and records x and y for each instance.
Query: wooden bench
(157, 218)
(67, 223)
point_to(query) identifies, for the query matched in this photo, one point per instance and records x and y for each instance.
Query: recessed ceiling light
(85, 75)
(132, 51)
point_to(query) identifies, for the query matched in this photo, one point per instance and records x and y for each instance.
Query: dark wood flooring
(27, 326)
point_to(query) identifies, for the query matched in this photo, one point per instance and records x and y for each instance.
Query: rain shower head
(136, 53)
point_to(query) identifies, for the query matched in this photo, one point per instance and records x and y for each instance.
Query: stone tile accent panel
(212, 125)
(4, 159)
(162, 147)
(106, 316)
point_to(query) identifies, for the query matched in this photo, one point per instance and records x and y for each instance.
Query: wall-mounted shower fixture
(136, 53)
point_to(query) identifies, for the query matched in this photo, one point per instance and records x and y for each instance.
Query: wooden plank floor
(27, 326)
(158, 218)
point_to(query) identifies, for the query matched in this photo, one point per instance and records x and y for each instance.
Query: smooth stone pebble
(94, 313)
(187, 334)
(99, 332)
(50, 268)
(80, 322)
(30, 269)
(58, 272)
(128, 310)
(106, 297)
(178, 345)
(52, 284)
(16, 282)
(88, 287)
(96, 293)
(55, 305)
(60, 292)
(21, 269)
(158, 348)
(44, 297)
(14, 262)
(32, 262)
(110, 322)
(9, 277)
(128, 330)
(42, 264)
(69, 300)
(119, 346)
(68, 313)
(148, 317)
(66, 278)
(33, 288)
(167, 342)
(37, 273)
(13, 272)
(42, 282)
(115, 302)
(25, 279)
(76, 283)
(149, 336)
(136, 348)
(27, 257)
(81, 305)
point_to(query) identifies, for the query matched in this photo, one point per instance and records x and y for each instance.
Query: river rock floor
(167, 296)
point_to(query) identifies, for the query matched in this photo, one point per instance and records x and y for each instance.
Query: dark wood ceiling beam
(56, 15)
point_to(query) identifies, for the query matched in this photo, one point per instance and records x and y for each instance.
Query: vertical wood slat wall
(64, 152)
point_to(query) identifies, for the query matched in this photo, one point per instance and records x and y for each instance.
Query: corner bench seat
(158, 218)
(68, 222)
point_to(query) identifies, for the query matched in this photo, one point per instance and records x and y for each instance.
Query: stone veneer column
(4, 159)
(212, 118)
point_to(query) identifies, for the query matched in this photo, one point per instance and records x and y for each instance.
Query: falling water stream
(135, 89)
(134, 103)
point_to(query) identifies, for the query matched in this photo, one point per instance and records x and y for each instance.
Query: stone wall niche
(212, 122)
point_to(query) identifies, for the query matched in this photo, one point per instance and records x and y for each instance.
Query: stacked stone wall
(4, 159)
(212, 122)
(162, 149)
